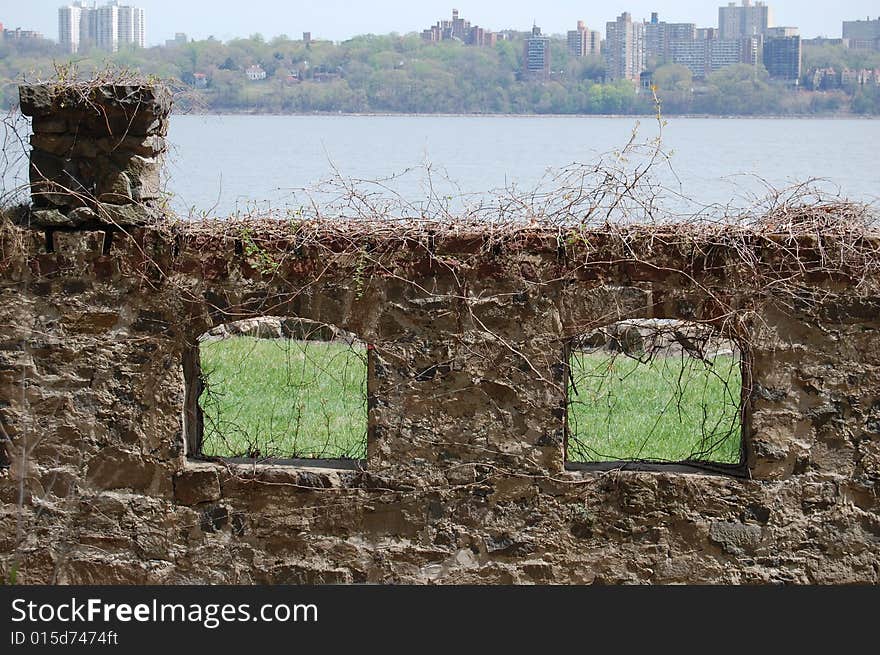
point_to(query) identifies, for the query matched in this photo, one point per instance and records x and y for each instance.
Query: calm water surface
(236, 163)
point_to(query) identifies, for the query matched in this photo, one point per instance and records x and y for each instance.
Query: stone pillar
(96, 153)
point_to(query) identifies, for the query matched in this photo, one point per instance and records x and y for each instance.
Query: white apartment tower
(69, 20)
(88, 26)
(105, 27)
(107, 37)
(625, 47)
(131, 26)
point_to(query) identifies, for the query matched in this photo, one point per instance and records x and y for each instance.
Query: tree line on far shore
(404, 74)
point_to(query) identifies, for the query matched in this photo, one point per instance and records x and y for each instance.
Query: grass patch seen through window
(284, 398)
(661, 406)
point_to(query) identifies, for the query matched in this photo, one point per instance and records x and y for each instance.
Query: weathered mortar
(465, 480)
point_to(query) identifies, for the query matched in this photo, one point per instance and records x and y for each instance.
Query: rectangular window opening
(655, 392)
(279, 390)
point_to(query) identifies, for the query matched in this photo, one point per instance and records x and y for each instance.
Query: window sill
(301, 473)
(687, 468)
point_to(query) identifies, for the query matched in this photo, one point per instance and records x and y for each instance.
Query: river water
(228, 164)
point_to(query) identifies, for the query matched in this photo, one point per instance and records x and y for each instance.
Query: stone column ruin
(96, 154)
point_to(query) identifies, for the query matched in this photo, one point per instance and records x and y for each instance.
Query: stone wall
(465, 479)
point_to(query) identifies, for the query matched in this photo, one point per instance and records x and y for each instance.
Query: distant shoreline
(652, 117)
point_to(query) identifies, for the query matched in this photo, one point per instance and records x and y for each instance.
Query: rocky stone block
(49, 125)
(197, 486)
(735, 538)
(114, 468)
(64, 145)
(53, 100)
(148, 146)
(98, 216)
(126, 215)
(114, 188)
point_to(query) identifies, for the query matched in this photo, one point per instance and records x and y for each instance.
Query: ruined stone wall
(465, 479)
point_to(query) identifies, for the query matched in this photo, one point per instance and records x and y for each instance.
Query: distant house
(859, 77)
(825, 79)
(180, 39)
(325, 74)
(255, 73)
(850, 77)
(289, 76)
(200, 80)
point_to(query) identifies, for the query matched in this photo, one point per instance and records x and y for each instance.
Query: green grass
(284, 399)
(670, 409)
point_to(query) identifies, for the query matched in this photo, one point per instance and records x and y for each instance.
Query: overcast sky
(342, 19)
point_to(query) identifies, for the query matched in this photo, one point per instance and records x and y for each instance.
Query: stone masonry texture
(96, 152)
(465, 479)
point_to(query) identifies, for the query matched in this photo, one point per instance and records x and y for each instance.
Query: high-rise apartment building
(584, 42)
(69, 19)
(537, 54)
(739, 22)
(131, 25)
(706, 56)
(625, 48)
(659, 37)
(88, 26)
(782, 57)
(459, 29)
(738, 39)
(706, 33)
(862, 34)
(107, 36)
(81, 24)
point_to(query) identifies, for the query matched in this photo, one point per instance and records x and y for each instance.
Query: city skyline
(336, 20)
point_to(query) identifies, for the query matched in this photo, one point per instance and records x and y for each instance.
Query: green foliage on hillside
(836, 56)
(393, 73)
